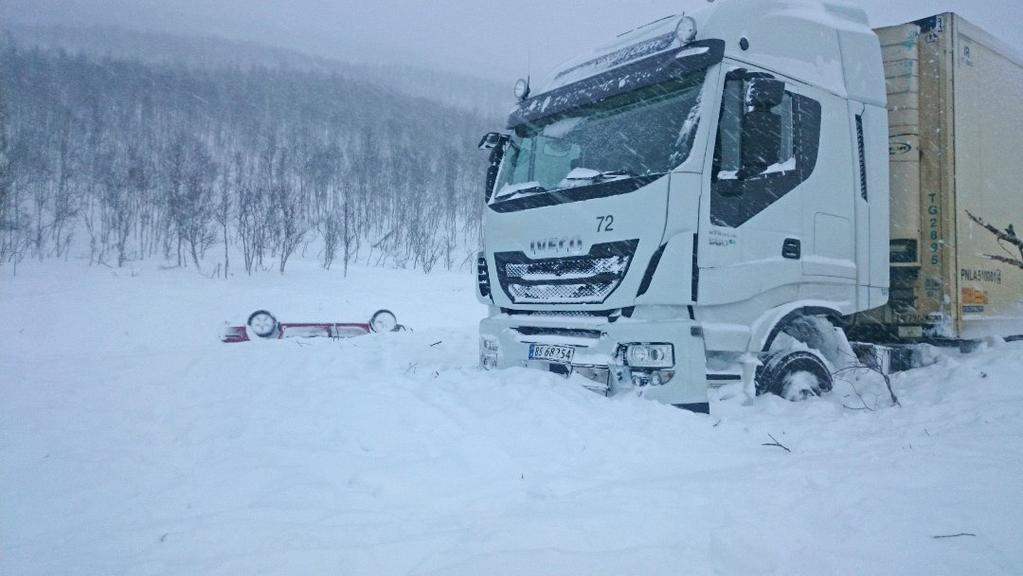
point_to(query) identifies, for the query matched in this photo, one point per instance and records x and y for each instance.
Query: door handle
(792, 249)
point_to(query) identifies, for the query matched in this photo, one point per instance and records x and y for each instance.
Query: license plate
(551, 353)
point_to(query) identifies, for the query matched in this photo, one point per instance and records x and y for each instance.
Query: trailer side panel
(989, 184)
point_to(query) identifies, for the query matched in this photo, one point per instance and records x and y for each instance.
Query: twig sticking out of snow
(867, 408)
(860, 396)
(888, 383)
(872, 365)
(776, 444)
(940, 536)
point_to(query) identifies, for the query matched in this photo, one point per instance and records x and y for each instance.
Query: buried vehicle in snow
(707, 200)
(262, 325)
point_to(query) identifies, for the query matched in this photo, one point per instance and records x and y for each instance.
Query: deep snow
(133, 442)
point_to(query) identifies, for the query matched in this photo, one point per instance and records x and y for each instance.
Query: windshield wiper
(526, 189)
(577, 177)
(620, 173)
(586, 174)
(589, 176)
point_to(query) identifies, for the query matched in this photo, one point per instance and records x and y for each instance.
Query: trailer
(955, 110)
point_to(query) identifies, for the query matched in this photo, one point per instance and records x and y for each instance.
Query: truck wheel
(794, 376)
(383, 321)
(262, 324)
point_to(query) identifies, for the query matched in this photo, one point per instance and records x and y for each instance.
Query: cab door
(753, 229)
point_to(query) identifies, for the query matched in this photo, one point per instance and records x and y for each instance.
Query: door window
(761, 153)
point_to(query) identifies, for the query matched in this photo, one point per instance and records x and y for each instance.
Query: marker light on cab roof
(522, 89)
(686, 30)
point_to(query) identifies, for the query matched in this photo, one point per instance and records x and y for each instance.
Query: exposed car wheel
(794, 376)
(383, 321)
(262, 324)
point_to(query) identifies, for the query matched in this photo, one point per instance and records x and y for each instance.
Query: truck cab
(661, 210)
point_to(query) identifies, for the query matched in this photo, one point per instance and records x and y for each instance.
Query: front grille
(562, 313)
(546, 331)
(572, 270)
(588, 279)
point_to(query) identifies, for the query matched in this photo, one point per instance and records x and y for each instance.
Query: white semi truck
(708, 198)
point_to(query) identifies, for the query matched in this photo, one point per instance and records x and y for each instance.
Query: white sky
(479, 37)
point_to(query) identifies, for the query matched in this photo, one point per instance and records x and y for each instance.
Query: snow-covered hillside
(133, 442)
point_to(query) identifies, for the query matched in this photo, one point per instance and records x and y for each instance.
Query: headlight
(652, 378)
(650, 355)
(489, 344)
(488, 361)
(490, 351)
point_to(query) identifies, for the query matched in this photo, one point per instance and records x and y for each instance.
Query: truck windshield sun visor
(661, 67)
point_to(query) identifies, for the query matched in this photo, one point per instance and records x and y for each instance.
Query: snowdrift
(133, 442)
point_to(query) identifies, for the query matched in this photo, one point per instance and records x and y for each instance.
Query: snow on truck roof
(825, 44)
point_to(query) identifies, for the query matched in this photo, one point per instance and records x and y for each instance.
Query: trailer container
(955, 110)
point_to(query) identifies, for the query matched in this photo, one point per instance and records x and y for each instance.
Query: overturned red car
(262, 325)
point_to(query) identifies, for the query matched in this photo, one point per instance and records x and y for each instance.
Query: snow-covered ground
(133, 442)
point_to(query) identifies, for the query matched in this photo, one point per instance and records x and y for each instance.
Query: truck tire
(262, 324)
(795, 376)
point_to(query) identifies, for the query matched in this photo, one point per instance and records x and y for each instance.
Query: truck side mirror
(495, 142)
(492, 140)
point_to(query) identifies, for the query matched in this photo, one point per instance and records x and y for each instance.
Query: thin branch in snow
(858, 408)
(873, 367)
(776, 444)
(862, 400)
(940, 536)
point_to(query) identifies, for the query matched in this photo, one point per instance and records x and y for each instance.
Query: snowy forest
(229, 168)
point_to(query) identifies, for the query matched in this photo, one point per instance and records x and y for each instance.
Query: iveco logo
(554, 246)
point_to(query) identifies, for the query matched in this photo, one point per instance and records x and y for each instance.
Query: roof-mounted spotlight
(522, 89)
(686, 30)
